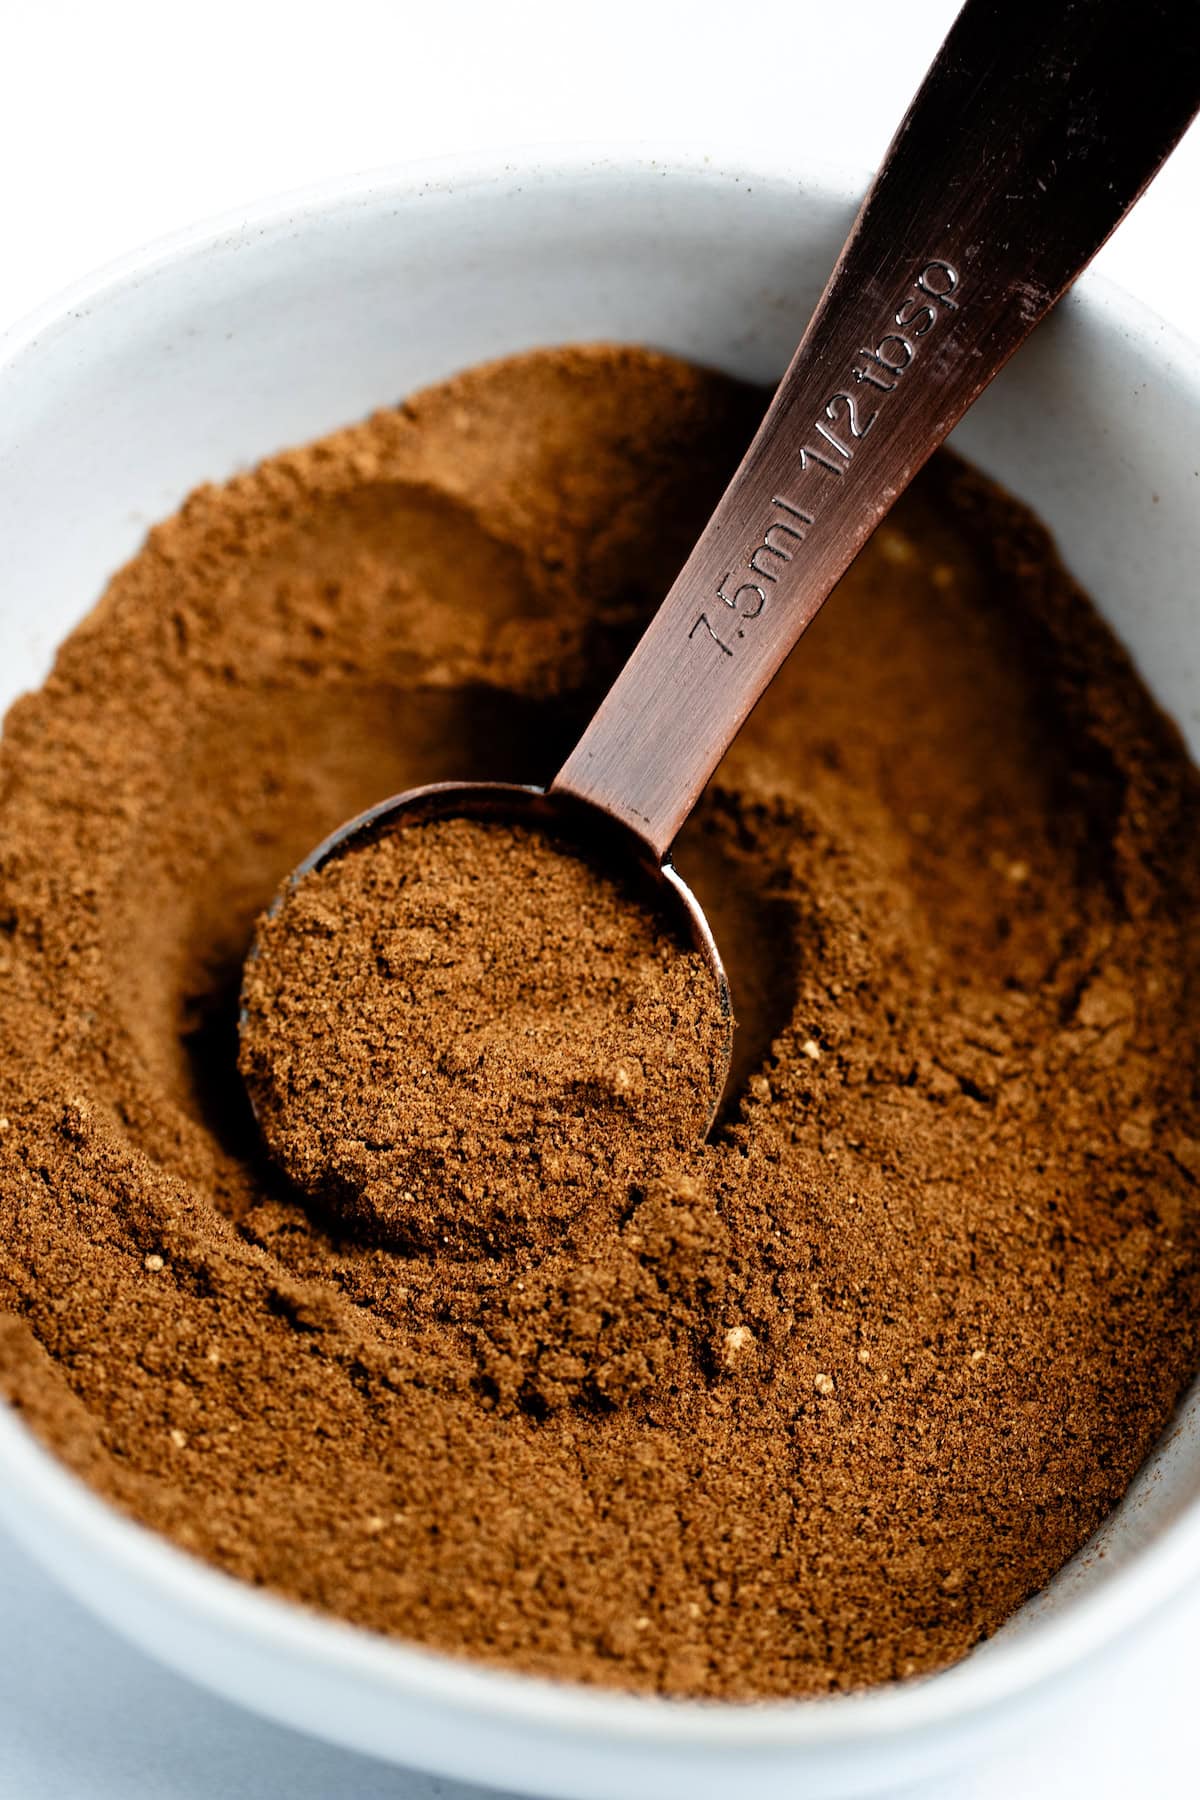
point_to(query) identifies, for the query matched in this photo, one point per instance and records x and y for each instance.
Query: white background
(123, 120)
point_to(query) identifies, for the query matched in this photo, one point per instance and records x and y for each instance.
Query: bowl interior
(197, 360)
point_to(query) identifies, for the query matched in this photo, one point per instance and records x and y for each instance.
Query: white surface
(125, 121)
(85, 1717)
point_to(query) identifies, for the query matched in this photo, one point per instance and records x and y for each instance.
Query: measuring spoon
(1035, 130)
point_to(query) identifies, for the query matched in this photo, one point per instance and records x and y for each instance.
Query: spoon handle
(1037, 127)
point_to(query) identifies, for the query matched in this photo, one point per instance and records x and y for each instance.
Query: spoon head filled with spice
(473, 966)
(470, 962)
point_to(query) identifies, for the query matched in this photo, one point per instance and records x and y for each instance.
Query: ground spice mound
(814, 1405)
(463, 1032)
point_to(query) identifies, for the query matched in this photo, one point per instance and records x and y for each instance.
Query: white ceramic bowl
(200, 356)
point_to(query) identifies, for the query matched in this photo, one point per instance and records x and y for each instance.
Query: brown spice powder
(463, 1035)
(815, 1405)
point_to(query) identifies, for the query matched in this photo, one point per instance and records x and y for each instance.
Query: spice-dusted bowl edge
(227, 343)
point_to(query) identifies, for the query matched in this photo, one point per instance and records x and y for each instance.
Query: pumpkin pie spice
(811, 1405)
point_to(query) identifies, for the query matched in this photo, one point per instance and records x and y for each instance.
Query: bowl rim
(1085, 1628)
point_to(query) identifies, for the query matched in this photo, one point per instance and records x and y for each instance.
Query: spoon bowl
(580, 827)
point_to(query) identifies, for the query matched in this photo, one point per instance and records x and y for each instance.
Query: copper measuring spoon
(1035, 130)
